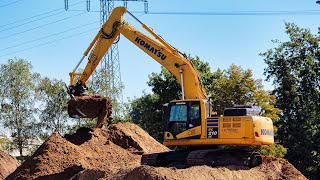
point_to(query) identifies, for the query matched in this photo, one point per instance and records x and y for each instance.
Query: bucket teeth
(81, 113)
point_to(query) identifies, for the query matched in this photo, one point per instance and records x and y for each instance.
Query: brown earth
(271, 169)
(7, 164)
(114, 153)
(91, 106)
(134, 139)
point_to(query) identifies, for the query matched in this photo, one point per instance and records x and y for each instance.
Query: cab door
(177, 117)
(194, 115)
(184, 119)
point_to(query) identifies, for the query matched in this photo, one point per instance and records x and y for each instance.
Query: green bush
(274, 150)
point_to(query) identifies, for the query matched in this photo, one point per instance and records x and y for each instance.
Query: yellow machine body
(223, 130)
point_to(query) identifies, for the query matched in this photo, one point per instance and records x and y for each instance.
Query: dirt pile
(87, 151)
(134, 139)
(271, 169)
(7, 164)
(114, 153)
(277, 168)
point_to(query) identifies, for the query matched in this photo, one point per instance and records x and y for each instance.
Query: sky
(53, 39)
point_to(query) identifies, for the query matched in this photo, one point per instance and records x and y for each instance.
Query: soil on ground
(115, 153)
(7, 164)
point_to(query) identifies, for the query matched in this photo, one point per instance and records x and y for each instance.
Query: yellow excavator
(189, 122)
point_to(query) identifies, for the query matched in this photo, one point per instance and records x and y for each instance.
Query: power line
(39, 15)
(30, 17)
(28, 42)
(10, 3)
(31, 21)
(239, 13)
(222, 13)
(41, 26)
(67, 37)
(80, 10)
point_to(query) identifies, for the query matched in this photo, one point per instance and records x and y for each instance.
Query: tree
(238, 81)
(294, 67)
(164, 82)
(54, 100)
(146, 111)
(168, 88)
(243, 89)
(18, 83)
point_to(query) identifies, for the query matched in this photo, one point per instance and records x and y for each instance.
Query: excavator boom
(156, 47)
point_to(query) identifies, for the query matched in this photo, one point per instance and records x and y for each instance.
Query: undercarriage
(209, 157)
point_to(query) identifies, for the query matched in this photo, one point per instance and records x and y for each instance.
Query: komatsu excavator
(189, 122)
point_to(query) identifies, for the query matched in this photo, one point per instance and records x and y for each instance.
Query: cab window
(178, 113)
(194, 115)
(194, 112)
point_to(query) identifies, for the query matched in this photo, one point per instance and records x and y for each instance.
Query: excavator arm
(155, 46)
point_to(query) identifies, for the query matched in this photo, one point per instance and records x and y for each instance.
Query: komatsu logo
(150, 48)
(266, 132)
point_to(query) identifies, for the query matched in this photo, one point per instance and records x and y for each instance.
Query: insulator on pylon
(66, 5)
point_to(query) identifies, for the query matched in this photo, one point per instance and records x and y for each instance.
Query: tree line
(34, 105)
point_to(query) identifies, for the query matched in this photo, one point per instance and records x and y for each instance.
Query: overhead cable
(223, 13)
(51, 35)
(10, 3)
(39, 15)
(239, 13)
(41, 26)
(67, 37)
(31, 21)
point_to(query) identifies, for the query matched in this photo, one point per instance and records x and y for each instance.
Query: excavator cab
(181, 116)
(177, 118)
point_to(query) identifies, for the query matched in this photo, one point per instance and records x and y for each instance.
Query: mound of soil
(277, 168)
(100, 149)
(114, 153)
(7, 164)
(132, 138)
(271, 169)
(59, 158)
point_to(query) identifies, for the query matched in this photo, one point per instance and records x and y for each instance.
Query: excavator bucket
(88, 106)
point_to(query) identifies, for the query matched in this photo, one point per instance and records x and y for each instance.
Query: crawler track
(209, 157)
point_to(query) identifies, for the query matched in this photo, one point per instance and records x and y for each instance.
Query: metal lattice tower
(110, 61)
